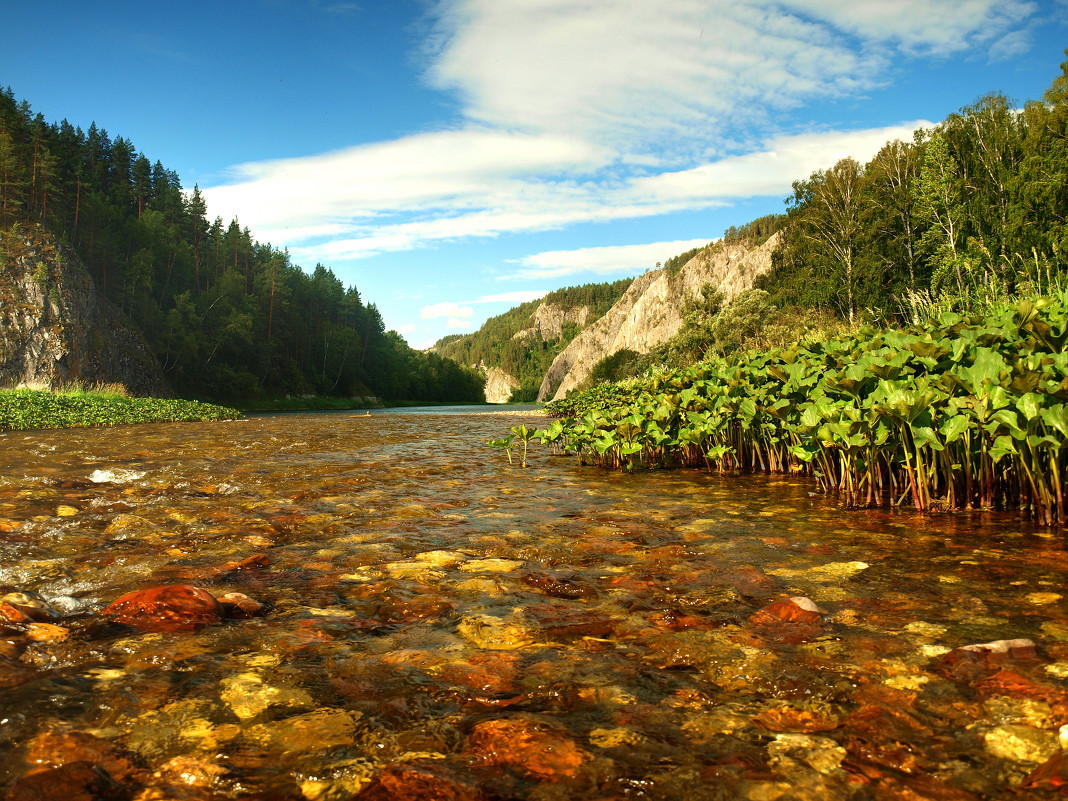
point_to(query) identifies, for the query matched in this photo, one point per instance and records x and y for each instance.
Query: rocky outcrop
(650, 311)
(56, 329)
(549, 319)
(499, 384)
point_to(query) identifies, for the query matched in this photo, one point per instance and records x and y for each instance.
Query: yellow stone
(66, 511)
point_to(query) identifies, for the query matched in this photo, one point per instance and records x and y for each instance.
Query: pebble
(248, 695)
(1021, 743)
(540, 749)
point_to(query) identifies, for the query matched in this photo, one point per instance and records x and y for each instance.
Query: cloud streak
(593, 112)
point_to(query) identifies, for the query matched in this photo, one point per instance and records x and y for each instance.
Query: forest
(229, 318)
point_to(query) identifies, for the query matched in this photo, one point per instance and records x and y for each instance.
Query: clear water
(428, 600)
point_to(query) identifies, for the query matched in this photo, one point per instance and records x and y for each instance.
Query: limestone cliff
(499, 384)
(549, 320)
(650, 311)
(55, 328)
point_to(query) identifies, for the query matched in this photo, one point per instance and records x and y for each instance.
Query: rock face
(55, 328)
(650, 311)
(499, 384)
(549, 319)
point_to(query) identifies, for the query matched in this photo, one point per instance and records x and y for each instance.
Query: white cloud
(581, 112)
(456, 322)
(616, 259)
(406, 328)
(446, 309)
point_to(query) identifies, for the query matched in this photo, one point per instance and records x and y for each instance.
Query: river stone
(495, 633)
(1021, 743)
(317, 730)
(440, 558)
(617, 737)
(75, 781)
(539, 748)
(176, 607)
(822, 754)
(238, 606)
(491, 565)
(970, 661)
(419, 780)
(30, 605)
(60, 747)
(248, 696)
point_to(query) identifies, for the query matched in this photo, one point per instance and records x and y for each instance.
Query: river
(421, 619)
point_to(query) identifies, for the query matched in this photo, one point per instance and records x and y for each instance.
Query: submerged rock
(176, 607)
(538, 748)
(25, 606)
(971, 661)
(495, 633)
(1021, 743)
(248, 695)
(419, 780)
(75, 781)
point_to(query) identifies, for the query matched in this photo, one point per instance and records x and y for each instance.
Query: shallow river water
(438, 624)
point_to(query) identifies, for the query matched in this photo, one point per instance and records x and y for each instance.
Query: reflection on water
(443, 625)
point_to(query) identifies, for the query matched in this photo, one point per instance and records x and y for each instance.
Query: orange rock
(176, 607)
(789, 719)
(1052, 774)
(419, 780)
(58, 747)
(237, 605)
(540, 749)
(46, 632)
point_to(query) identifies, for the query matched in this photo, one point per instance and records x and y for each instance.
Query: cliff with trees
(226, 317)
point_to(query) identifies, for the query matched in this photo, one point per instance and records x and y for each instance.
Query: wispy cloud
(612, 260)
(593, 112)
(446, 309)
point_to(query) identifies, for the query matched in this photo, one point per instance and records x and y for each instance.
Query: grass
(27, 408)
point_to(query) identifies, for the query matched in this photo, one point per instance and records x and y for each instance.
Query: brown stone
(537, 748)
(60, 747)
(791, 610)
(557, 586)
(790, 719)
(1050, 775)
(74, 781)
(237, 606)
(970, 662)
(566, 622)
(419, 780)
(176, 607)
(492, 672)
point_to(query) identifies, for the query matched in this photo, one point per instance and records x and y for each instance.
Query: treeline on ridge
(229, 318)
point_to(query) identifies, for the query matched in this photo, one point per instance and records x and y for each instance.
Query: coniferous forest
(229, 318)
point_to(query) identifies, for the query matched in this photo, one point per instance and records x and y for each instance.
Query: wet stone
(969, 662)
(420, 780)
(317, 730)
(538, 748)
(74, 781)
(495, 633)
(238, 606)
(1021, 743)
(59, 747)
(248, 695)
(558, 586)
(24, 606)
(177, 607)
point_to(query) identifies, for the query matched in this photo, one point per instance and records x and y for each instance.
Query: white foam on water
(117, 476)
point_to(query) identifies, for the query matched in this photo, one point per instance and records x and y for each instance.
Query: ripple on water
(440, 620)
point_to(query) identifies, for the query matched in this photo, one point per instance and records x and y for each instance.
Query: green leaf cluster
(969, 412)
(24, 409)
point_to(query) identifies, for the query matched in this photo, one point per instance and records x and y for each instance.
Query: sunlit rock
(176, 607)
(1050, 775)
(237, 605)
(618, 737)
(557, 586)
(1021, 743)
(61, 746)
(539, 748)
(337, 781)
(420, 780)
(440, 558)
(495, 633)
(317, 730)
(248, 695)
(491, 565)
(970, 661)
(821, 754)
(26, 605)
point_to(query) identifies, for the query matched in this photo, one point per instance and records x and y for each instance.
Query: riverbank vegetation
(226, 316)
(76, 407)
(927, 294)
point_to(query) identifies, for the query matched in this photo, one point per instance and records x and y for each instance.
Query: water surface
(439, 616)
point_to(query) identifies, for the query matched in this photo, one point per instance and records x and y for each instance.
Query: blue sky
(453, 158)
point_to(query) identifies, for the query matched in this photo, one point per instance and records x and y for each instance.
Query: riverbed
(411, 616)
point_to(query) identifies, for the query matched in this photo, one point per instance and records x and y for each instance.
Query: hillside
(227, 318)
(650, 311)
(514, 349)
